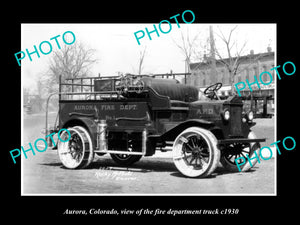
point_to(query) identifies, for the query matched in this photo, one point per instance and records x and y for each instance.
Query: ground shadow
(180, 175)
(220, 170)
(52, 164)
(152, 165)
(146, 166)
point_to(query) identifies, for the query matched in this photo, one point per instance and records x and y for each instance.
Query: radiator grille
(235, 120)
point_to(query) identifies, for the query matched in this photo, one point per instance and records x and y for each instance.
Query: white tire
(195, 152)
(78, 152)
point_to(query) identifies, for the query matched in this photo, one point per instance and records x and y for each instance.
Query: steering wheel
(211, 91)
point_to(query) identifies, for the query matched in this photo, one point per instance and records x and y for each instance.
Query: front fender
(171, 134)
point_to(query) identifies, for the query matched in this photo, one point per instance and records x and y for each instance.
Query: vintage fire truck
(136, 115)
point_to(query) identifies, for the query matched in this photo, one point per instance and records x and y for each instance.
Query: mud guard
(171, 134)
(88, 123)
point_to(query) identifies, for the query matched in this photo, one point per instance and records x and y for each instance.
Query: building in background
(261, 101)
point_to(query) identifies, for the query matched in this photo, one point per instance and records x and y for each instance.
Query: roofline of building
(257, 56)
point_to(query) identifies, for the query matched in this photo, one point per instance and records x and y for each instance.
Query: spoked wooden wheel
(78, 151)
(195, 152)
(235, 151)
(125, 159)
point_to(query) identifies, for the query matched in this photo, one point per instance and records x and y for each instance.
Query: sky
(117, 50)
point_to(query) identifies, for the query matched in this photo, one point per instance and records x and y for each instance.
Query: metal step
(120, 152)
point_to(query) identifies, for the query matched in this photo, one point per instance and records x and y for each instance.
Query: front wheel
(237, 151)
(195, 152)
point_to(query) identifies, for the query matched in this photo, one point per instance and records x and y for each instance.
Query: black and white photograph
(135, 112)
(148, 109)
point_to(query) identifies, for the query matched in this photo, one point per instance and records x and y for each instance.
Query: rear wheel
(78, 151)
(234, 151)
(195, 152)
(125, 159)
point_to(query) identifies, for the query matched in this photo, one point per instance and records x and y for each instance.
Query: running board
(119, 152)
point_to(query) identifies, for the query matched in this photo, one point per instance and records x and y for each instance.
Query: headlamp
(250, 116)
(226, 114)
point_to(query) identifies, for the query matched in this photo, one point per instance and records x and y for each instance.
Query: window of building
(265, 77)
(273, 71)
(198, 81)
(223, 76)
(228, 77)
(256, 71)
(247, 73)
(204, 77)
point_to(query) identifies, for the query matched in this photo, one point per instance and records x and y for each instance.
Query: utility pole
(187, 66)
(213, 67)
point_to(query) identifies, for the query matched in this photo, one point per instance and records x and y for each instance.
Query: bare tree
(188, 48)
(70, 61)
(233, 60)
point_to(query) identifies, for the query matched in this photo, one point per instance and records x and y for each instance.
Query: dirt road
(44, 174)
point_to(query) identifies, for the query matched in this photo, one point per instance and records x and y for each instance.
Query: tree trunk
(233, 90)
